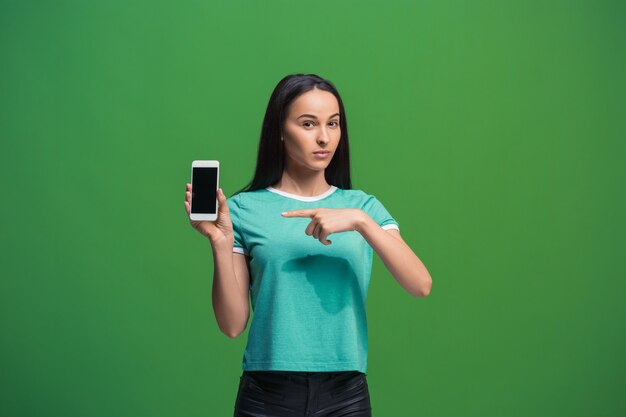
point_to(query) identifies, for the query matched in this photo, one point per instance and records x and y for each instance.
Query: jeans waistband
(289, 374)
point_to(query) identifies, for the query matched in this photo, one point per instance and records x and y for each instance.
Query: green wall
(493, 131)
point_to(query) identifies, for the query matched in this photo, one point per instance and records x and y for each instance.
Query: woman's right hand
(219, 230)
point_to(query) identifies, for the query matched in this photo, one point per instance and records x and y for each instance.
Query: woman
(307, 346)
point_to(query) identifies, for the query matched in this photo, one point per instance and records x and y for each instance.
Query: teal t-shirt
(308, 299)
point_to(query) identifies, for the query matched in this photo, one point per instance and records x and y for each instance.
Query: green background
(494, 132)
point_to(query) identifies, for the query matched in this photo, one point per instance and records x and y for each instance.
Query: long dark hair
(271, 155)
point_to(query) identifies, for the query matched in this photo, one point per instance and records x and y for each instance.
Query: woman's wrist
(361, 221)
(223, 243)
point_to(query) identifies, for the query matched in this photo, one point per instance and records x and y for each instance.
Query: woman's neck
(304, 184)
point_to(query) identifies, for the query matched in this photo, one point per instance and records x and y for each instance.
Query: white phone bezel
(205, 216)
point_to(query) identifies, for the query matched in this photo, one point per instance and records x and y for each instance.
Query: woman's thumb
(221, 198)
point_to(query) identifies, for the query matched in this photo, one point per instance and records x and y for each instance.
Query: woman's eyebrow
(315, 117)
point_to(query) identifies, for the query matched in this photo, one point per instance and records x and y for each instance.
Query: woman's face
(312, 125)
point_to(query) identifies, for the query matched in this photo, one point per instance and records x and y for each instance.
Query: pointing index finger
(299, 213)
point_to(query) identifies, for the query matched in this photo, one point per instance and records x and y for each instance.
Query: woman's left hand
(325, 221)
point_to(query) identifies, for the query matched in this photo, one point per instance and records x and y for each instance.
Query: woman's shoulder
(359, 198)
(355, 193)
(243, 198)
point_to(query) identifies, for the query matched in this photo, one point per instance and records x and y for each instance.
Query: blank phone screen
(204, 184)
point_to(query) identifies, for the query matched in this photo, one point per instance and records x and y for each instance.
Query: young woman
(298, 241)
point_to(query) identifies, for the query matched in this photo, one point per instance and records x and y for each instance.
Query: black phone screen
(203, 189)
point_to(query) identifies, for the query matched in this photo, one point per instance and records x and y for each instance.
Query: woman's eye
(334, 124)
(307, 124)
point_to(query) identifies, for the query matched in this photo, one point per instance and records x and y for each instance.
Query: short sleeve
(234, 206)
(379, 213)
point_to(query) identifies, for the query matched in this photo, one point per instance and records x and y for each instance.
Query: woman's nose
(323, 136)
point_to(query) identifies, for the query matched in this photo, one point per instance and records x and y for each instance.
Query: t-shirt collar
(302, 197)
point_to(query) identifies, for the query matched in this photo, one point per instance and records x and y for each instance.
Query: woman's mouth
(321, 154)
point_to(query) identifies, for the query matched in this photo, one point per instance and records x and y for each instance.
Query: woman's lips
(321, 154)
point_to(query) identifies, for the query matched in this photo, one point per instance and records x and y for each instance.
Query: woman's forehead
(315, 102)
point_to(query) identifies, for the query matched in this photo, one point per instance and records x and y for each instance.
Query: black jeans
(303, 394)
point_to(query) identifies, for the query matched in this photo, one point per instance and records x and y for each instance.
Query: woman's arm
(397, 256)
(231, 280)
(230, 270)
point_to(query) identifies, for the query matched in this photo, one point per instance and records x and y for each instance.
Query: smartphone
(204, 185)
